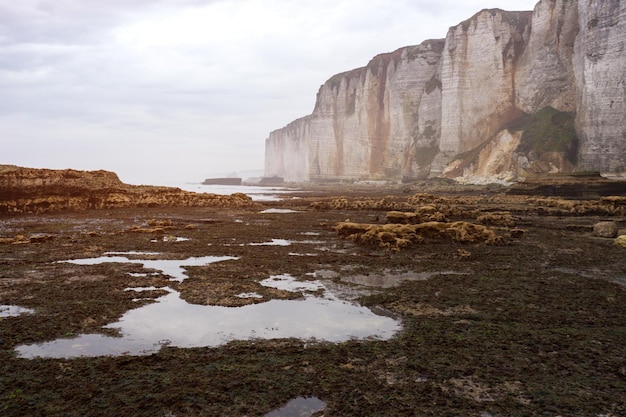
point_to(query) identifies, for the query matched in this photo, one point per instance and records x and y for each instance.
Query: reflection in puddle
(279, 211)
(336, 249)
(273, 242)
(12, 311)
(141, 274)
(324, 274)
(172, 239)
(285, 242)
(175, 268)
(133, 253)
(389, 279)
(299, 407)
(173, 321)
(308, 242)
(289, 283)
(141, 289)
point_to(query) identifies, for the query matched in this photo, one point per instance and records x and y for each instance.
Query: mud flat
(519, 309)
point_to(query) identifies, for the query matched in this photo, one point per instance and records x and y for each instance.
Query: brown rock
(395, 236)
(38, 191)
(605, 229)
(401, 217)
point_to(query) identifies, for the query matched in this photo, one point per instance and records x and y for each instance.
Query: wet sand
(532, 324)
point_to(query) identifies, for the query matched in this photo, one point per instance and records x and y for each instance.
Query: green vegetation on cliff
(548, 130)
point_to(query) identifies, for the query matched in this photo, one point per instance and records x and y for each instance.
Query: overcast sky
(166, 91)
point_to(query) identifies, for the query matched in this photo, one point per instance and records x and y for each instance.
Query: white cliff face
(410, 113)
(600, 69)
(544, 73)
(478, 68)
(372, 122)
(286, 152)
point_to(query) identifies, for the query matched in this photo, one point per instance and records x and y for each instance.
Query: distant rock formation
(223, 181)
(504, 95)
(38, 191)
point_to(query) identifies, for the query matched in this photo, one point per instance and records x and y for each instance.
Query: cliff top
(412, 51)
(519, 19)
(515, 18)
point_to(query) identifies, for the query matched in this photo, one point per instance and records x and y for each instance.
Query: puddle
(174, 322)
(133, 253)
(141, 274)
(336, 249)
(175, 268)
(289, 283)
(273, 242)
(285, 242)
(389, 279)
(12, 311)
(299, 407)
(324, 274)
(279, 211)
(141, 289)
(172, 239)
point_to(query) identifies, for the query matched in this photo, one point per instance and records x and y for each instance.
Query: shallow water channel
(173, 321)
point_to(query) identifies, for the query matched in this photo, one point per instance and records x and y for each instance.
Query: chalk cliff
(503, 95)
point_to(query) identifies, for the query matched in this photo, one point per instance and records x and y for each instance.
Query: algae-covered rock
(402, 217)
(504, 219)
(394, 236)
(621, 241)
(605, 229)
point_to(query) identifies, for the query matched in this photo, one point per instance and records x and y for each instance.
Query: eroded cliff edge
(505, 94)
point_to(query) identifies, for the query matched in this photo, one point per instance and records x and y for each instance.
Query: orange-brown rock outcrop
(394, 236)
(37, 191)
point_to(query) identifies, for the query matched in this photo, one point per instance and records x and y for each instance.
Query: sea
(257, 193)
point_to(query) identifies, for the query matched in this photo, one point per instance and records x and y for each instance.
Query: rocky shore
(508, 304)
(39, 191)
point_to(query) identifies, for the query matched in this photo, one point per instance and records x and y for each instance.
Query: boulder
(605, 229)
(621, 241)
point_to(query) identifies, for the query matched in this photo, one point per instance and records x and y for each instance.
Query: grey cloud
(41, 23)
(74, 21)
